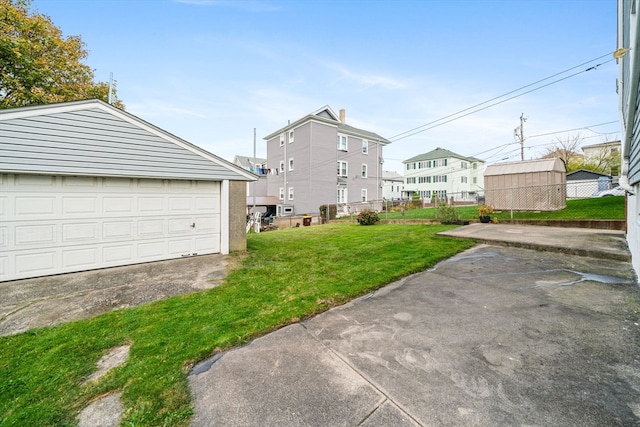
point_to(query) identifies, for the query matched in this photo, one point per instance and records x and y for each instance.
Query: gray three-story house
(319, 160)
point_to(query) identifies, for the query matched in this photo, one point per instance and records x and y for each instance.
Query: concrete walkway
(498, 335)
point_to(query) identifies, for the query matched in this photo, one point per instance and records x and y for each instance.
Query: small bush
(447, 214)
(368, 218)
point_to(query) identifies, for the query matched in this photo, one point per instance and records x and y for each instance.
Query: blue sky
(211, 71)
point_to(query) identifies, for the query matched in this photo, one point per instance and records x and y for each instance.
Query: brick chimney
(343, 115)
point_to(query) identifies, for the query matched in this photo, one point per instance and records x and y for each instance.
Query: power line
(435, 123)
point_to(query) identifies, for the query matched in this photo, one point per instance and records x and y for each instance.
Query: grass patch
(587, 209)
(286, 276)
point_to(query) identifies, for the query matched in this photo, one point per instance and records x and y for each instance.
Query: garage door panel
(180, 204)
(83, 206)
(205, 246)
(151, 205)
(151, 250)
(180, 247)
(35, 234)
(117, 205)
(115, 255)
(53, 225)
(79, 232)
(207, 224)
(151, 228)
(35, 207)
(117, 230)
(36, 262)
(87, 258)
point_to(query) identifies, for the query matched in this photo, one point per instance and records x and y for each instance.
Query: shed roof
(93, 138)
(529, 166)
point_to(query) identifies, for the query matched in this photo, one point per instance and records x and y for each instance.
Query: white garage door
(60, 224)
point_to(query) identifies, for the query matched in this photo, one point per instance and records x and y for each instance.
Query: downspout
(628, 121)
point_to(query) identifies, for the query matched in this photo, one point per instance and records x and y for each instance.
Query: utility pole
(519, 133)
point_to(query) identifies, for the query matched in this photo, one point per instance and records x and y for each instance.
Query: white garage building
(84, 185)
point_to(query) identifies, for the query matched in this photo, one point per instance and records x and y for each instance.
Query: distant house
(628, 88)
(319, 159)
(443, 174)
(584, 183)
(392, 185)
(257, 190)
(605, 155)
(534, 185)
(84, 185)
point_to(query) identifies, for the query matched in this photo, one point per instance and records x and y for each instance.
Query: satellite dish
(619, 53)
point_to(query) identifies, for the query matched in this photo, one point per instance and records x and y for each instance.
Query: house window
(363, 195)
(281, 139)
(464, 180)
(290, 193)
(475, 180)
(475, 166)
(342, 142)
(290, 136)
(281, 194)
(342, 168)
(342, 195)
(281, 165)
(291, 164)
(364, 170)
(440, 178)
(463, 165)
(365, 146)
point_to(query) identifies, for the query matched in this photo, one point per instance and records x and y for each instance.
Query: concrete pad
(494, 336)
(47, 301)
(285, 378)
(104, 412)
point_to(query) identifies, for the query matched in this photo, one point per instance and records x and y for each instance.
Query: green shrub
(447, 214)
(368, 217)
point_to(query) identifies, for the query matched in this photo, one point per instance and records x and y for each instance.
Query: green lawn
(286, 276)
(593, 208)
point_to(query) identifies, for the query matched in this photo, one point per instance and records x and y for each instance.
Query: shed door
(61, 224)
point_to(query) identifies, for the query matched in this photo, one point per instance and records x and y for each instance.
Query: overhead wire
(458, 115)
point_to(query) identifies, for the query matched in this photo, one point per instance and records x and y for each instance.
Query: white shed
(84, 185)
(534, 185)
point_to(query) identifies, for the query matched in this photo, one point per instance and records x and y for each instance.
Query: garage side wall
(237, 216)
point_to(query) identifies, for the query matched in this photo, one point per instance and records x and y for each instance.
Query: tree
(566, 149)
(40, 66)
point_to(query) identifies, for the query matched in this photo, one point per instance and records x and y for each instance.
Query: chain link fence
(573, 200)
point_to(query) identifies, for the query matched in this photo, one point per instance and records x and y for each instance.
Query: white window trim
(281, 193)
(365, 146)
(291, 136)
(281, 165)
(363, 195)
(340, 145)
(364, 172)
(290, 193)
(339, 168)
(342, 195)
(281, 139)
(291, 163)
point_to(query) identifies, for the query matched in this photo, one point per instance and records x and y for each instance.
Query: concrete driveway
(47, 301)
(497, 336)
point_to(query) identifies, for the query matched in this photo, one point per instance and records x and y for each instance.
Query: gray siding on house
(94, 141)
